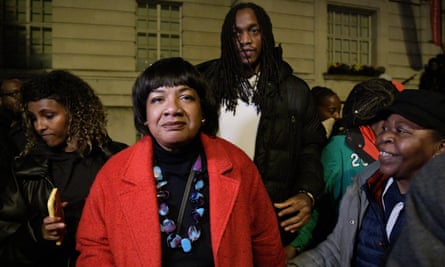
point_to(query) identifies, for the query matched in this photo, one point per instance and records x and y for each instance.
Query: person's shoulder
(437, 163)
(229, 158)
(219, 145)
(433, 173)
(287, 72)
(25, 163)
(369, 171)
(122, 151)
(111, 147)
(118, 162)
(115, 147)
(206, 65)
(337, 140)
(296, 85)
(335, 148)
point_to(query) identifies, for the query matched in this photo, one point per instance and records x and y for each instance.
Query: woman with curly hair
(67, 144)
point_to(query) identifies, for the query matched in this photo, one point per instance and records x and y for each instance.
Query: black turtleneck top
(176, 167)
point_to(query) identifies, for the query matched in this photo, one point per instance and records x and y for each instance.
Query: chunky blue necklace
(192, 192)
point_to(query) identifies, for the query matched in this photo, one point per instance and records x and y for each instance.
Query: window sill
(346, 77)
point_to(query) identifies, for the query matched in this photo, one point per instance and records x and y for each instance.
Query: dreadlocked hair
(227, 80)
(86, 119)
(365, 101)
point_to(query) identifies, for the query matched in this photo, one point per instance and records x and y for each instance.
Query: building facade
(108, 43)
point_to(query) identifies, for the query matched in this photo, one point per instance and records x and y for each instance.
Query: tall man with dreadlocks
(269, 113)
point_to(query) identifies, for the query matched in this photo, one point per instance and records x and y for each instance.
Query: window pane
(47, 41)
(337, 29)
(364, 46)
(345, 45)
(347, 28)
(354, 45)
(364, 32)
(26, 25)
(158, 29)
(364, 21)
(337, 57)
(41, 10)
(353, 58)
(36, 17)
(36, 38)
(345, 57)
(170, 43)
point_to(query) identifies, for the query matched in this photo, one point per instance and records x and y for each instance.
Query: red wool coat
(120, 222)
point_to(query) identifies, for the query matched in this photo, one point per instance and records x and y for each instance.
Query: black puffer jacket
(24, 205)
(290, 136)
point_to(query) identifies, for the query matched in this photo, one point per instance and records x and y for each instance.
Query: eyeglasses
(9, 93)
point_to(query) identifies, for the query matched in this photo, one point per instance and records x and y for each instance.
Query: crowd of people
(240, 163)
(433, 76)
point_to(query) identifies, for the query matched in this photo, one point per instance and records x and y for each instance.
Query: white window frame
(147, 28)
(26, 34)
(351, 33)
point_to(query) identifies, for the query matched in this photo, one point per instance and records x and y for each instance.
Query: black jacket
(290, 136)
(24, 205)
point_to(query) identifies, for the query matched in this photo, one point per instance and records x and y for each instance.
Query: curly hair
(365, 101)
(85, 113)
(172, 72)
(228, 82)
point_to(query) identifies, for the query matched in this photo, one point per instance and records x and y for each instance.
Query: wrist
(309, 195)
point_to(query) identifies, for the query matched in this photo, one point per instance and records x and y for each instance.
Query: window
(25, 33)
(158, 30)
(350, 35)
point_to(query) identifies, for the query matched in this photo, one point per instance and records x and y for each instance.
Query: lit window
(350, 35)
(26, 33)
(158, 30)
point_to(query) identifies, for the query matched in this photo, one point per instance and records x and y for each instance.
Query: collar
(376, 185)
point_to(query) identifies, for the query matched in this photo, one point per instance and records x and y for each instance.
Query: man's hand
(300, 206)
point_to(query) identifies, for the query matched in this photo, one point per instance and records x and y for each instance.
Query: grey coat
(338, 248)
(422, 240)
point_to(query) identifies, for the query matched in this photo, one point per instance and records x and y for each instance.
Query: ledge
(345, 77)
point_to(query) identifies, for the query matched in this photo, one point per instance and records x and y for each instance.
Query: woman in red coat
(180, 196)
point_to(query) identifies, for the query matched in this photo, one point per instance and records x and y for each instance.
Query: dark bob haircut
(172, 72)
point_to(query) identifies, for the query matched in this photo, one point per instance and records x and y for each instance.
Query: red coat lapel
(223, 189)
(138, 191)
